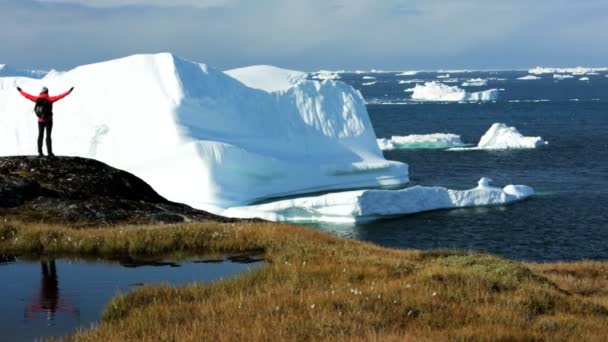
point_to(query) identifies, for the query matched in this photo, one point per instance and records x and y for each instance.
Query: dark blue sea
(566, 220)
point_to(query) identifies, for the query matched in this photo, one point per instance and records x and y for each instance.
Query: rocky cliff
(83, 191)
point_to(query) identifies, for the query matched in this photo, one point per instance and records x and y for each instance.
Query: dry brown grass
(317, 287)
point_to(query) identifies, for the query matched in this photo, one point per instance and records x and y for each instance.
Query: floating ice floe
(562, 76)
(411, 81)
(421, 141)
(502, 137)
(475, 82)
(443, 76)
(324, 75)
(367, 205)
(577, 70)
(529, 78)
(584, 79)
(435, 91)
(407, 73)
(368, 77)
(369, 83)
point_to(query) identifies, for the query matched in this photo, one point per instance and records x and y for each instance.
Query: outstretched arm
(59, 97)
(27, 96)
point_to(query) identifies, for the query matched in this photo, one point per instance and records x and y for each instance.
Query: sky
(309, 34)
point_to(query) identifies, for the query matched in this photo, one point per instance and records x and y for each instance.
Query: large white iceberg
(435, 91)
(503, 137)
(365, 205)
(204, 138)
(421, 141)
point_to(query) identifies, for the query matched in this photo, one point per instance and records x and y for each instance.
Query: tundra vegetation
(315, 286)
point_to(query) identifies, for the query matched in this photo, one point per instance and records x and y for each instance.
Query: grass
(317, 287)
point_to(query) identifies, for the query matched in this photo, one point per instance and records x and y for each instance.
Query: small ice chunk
(421, 141)
(529, 78)
(502, 137)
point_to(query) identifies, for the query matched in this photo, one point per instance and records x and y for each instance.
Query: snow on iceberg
(366, 205)
(502, 137)
(421, 141)
(267, 77)
(435, 91)
(529, 78)
(201, 137)
(475, 82)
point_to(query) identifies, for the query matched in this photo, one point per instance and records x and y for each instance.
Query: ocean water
(566, 220)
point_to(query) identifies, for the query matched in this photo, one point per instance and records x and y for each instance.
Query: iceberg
(368, 83)
(368, 77)
(529, 78)
(584, 79)
(367, 205)
(502, 137)
(435, 91)
(422, 141)
(475, 82)
(443, 76)
(203, 137)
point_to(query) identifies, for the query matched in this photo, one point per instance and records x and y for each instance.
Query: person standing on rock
(44, 111)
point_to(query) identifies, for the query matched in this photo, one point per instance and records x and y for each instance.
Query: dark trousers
(48, 125)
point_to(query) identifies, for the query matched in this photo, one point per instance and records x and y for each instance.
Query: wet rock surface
(86, 191)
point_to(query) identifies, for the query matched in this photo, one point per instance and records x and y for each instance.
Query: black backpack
(43, 108)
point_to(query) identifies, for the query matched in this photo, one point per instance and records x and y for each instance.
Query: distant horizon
(308, 35)
(336, 70)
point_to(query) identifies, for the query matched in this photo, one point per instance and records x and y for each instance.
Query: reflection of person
(49, 289)
(44, 110)
(48, 300)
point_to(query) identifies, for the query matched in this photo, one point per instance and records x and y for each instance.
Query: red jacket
(44, 95)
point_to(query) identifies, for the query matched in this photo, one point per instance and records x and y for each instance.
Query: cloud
(311, 34)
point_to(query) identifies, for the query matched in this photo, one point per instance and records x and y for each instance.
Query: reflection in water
(51, 298)
(48, 301)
